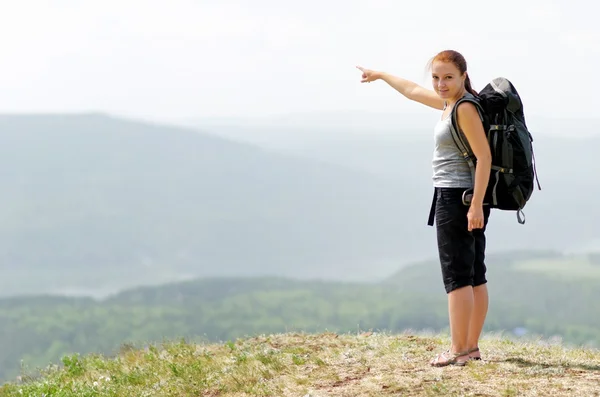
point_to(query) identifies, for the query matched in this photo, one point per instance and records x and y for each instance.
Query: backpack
(513, 170)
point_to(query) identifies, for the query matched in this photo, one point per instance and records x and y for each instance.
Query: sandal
(447, 358)
(474, 350)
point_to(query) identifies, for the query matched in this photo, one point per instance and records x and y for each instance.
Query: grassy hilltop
(324, 364)
(531, 297)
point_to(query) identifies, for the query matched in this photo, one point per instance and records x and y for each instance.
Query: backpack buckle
(467, 197)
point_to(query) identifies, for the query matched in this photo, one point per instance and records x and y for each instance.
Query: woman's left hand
(475, 217)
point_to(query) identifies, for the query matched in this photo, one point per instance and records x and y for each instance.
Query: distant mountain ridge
(94, 203)
(399, 147)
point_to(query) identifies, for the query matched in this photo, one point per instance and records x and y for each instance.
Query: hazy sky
(182, 59)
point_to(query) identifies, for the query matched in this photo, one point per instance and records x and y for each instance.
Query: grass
(327, 364)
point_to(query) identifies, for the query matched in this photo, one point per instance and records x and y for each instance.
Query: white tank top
(449, 167)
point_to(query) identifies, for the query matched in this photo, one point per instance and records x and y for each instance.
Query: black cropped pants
(461, 253)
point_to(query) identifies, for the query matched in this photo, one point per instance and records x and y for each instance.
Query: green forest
(544, 295)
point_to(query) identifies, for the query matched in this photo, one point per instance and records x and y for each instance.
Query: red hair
(459, 61)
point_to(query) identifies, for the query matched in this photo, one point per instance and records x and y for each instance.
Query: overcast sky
(181, 59)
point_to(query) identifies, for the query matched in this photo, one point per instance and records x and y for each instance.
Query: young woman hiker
(460, 228)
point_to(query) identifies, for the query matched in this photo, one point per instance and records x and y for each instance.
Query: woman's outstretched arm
(409, 89)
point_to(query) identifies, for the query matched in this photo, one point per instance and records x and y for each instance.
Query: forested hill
(531, 295)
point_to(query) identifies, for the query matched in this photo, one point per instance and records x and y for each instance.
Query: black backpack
(513, 164)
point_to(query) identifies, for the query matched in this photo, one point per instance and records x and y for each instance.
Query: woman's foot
(448, 358)
(474, 353)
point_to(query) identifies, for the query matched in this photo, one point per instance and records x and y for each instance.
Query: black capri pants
(461, 253)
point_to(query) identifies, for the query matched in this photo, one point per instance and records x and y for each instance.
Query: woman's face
(447, 80)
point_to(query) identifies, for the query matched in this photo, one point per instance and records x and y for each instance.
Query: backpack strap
(457, 137)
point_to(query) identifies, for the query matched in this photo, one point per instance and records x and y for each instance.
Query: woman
(460, 228)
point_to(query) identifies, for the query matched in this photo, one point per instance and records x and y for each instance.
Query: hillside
(93, 204)
(326, 364)
(530, 298)
(398, 147)
(149, 203)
